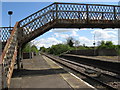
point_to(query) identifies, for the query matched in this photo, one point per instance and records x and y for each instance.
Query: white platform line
(83, 81)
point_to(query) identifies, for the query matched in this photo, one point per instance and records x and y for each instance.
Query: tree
(118, 49)
(58, 49)
(27, 48)
(34, 49)
(76, 42)
(109, 43)
(43, 49)
(70, 41)
(98, 43)
(106, 45)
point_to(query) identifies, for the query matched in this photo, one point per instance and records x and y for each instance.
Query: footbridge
(56, 15)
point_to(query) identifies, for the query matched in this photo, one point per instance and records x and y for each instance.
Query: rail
(108, 80)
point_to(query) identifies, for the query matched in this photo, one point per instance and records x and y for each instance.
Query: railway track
(108, 80)
(95, 62)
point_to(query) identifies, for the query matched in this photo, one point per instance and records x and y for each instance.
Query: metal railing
(69, 13)
(8, 57)
(72, 13)
(5, 33)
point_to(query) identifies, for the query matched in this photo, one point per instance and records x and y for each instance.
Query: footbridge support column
(19, 59)
(19, 53)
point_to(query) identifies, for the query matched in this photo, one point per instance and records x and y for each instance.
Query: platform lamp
(10, 13)
(94, 44)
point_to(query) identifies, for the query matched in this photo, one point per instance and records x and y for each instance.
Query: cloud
(74, 33)
(104, 35)
(64, 36)
(115, 42)
(86, 41)
(60, 33)
(56, 38)
(46, 42)
(60, 37)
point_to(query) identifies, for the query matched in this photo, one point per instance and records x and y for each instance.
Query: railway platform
(42, 72)
(106, 64)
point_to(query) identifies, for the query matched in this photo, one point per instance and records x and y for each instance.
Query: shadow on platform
(26, 72)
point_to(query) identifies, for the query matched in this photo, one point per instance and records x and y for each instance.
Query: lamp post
(10, 13)
(94, 44)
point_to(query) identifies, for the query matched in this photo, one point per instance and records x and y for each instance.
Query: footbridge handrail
(5, 33)
(82, 13)
(8, 57)
(72, 13)
(36, 15)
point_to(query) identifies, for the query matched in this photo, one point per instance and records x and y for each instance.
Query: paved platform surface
(42, 72)
(101, 58)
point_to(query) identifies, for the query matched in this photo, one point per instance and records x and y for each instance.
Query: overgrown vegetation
(72, 44)
(109, 45)
(30, 48)
(106, 45)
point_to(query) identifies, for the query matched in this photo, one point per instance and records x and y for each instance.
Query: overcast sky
(55, 36)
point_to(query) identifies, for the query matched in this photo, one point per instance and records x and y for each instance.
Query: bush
(28, 48)
(58, 49)
(106, 45)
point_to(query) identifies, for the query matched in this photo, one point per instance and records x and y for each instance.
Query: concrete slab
(49, 81)
(42, 72)
(37, 73)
